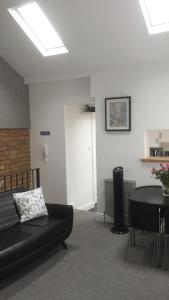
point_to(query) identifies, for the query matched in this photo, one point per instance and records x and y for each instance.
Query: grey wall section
(14, 98)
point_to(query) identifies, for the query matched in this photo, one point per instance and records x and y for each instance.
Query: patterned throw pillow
(30, 204)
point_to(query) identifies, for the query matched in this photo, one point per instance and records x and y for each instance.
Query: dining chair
(143, 217)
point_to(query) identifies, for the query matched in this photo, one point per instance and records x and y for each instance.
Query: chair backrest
(143, 216)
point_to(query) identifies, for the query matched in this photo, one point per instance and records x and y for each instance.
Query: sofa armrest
(61, 211)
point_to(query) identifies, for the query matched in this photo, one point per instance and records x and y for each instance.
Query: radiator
(129, 186)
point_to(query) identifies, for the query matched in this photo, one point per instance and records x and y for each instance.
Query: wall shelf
(156, 159)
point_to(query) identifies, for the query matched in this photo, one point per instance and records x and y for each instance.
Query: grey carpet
(92, 268)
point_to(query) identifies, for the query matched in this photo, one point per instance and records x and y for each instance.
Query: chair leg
(158, 251)
(129, 243)
(165, 252)
(64, 245)
(164, 244)
(134, 238)
(104, 217)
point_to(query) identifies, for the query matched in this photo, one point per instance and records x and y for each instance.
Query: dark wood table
(152, 195)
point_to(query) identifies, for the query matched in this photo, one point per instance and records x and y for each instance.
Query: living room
(108, 50)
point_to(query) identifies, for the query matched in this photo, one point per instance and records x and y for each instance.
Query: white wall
(47, 102)
(148, 85)
(80, 156)
(93, 123)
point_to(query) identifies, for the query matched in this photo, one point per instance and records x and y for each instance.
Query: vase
(165, 188)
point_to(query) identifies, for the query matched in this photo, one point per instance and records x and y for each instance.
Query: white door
(80, 157)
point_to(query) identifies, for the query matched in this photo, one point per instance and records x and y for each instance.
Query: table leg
(134, 238)
(159, 240)
(129, 243)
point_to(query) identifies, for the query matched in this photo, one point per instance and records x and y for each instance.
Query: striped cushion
(8, 213)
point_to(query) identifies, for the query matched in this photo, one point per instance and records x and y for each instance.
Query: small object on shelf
(156, 151)
(89, 108)
(152, 151)
(160, 152)
(166, 153)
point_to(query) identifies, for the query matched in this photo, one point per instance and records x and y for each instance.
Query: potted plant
(162, 174)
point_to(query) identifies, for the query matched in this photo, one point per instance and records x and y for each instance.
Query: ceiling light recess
(156, 14)
(38, 28)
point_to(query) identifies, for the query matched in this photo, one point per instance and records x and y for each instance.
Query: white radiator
(129, 186)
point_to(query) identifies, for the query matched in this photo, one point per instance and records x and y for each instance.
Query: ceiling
(98, 34)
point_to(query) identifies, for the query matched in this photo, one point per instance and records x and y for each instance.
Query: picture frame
(118, 114)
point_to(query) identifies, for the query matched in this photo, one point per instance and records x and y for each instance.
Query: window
(35, 24)
(156, 14)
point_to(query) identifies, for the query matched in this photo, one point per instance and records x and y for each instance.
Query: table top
(151, 195)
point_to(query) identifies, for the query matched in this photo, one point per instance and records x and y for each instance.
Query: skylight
(35, 24)
(156, 14)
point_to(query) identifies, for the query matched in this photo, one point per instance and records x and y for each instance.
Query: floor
(93, 268)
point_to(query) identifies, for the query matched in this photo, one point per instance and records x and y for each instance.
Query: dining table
(152, 195)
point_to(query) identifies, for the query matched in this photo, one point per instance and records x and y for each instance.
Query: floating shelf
(156, 159)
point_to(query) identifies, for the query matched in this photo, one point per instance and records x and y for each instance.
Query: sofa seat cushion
(51, 225)
(48, 222)
(22, 239)
(16, 242)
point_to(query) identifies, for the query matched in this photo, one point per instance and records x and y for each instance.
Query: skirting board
(87, 206)
(109, 219)
(100, 218)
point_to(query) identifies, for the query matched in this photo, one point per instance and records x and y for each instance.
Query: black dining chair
(143, 217)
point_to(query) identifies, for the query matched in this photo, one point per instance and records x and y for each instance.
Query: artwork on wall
(118, 114)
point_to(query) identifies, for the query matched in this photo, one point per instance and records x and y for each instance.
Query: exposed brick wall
(14, 150)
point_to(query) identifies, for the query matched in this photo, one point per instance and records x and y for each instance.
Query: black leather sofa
(20, 241)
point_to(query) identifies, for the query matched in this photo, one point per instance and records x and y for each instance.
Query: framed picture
(118, 114)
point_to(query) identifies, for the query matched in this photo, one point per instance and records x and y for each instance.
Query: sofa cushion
(22, 239)
(51, 225)
(8, 214)
(30, 204)
(16, 242)
(17, 235)
(46, 222)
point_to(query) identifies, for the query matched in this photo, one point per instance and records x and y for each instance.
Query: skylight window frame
(14, 11)
(152, 29)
